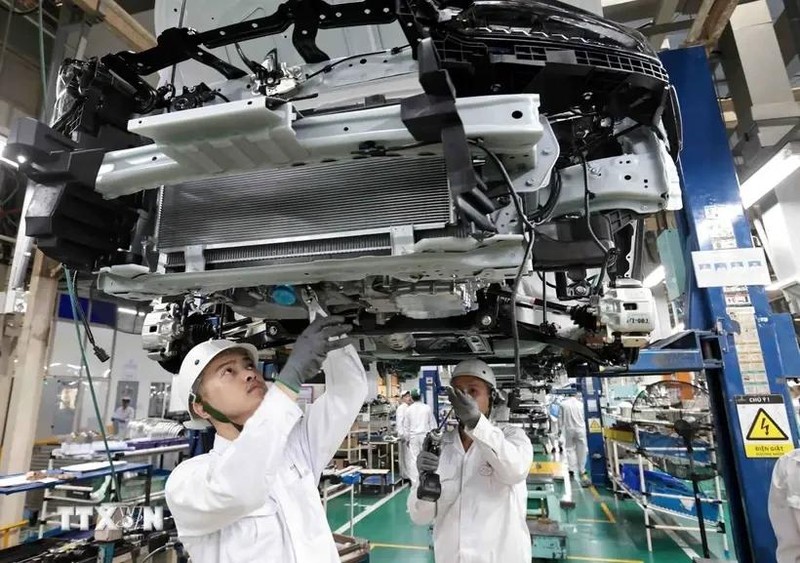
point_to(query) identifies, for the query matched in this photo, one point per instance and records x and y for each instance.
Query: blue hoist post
(429, 385)
(712, 206)
(591, 389)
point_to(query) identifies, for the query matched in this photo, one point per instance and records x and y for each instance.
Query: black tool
(430, 487)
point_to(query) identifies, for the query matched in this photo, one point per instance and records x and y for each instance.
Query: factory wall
(66, 400)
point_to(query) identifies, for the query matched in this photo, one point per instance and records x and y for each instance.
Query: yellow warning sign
(594, 426)
(764, 422)
(767, 450)
(764, 428)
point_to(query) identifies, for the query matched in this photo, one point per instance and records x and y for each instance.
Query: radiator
(253, 217)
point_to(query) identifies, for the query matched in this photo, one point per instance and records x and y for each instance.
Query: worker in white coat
(480, 515)
(122, 417)
(572, 422)
(254, 496)
(417, 422)
(784, 507)
(554, 435)
(402, 407)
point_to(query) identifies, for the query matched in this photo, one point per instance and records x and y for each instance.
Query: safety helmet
(198, 358)
(404, 393)
(476, 368)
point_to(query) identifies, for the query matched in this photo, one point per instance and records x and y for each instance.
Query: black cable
(514, 291)
(221, 96)
(546, 211)
(101, 354)
(512, 191)
(329, 67)
(542, 277)
(626, 131)
(544, 305)
(600, 245)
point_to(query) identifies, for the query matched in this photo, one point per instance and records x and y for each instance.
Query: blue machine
(429, 386)
(709, 186)
(711, 196)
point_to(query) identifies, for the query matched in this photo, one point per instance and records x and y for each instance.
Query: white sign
(765, 425)
(734, 266)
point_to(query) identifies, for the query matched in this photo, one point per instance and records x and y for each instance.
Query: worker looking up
(572, 421)
(254, 496)
(402, 407)
(480, 515)
(417, 422)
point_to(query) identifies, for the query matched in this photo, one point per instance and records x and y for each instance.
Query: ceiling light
(8, 162)
(766, 178)
(127, 311)
(655, 277)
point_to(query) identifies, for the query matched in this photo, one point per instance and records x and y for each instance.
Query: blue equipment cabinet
(711, 199)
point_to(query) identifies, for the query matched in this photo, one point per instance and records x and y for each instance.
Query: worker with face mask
(572, 422)
(254, 496)
(402, 407)
(480, 515)
(784, 507)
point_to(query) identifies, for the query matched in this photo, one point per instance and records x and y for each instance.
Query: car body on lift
(411, 165)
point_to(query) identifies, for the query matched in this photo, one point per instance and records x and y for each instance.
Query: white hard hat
(193, 365)
(476, 368)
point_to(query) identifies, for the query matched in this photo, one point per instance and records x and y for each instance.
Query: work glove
(427, 461)
(312, 348)
(464, 407)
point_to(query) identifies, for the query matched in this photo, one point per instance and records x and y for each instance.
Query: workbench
(18, 484)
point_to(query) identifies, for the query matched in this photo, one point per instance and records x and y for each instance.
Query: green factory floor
(602, 529)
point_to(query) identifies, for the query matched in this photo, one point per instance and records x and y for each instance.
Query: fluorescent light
(127, 311)
(8, 162)
(655, 277)
(766, 178)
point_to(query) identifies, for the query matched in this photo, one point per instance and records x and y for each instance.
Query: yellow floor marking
(601, 560)
(608, 513)
(545, 468)
(398, 546)
(603, 505)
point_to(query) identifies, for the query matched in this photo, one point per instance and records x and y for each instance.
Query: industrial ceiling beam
(664, 15)
(629, 10)
(710, 22)
(121, 23)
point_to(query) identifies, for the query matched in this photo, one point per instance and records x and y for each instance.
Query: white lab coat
(572, 421)
(255, 498)
(417, 422)
(480, 516)
(121, 419)
(784, 507)
(403, 444)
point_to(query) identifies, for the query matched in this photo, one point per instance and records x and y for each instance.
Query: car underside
(474, 186)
